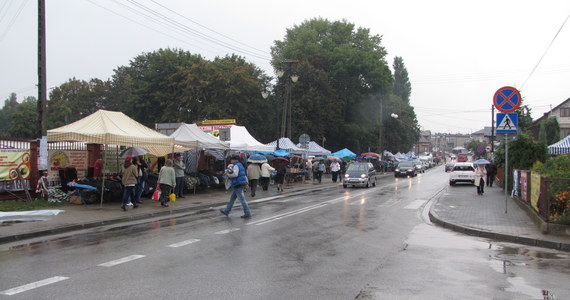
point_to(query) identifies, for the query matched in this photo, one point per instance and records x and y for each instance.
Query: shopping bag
(156, 195)
(172, 197)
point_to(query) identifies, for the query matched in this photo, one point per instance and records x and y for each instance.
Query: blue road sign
(507, 99)
(507, 123)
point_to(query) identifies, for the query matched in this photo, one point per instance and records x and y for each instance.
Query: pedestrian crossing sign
(507, 122)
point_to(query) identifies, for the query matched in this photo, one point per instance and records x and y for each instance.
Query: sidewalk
(78, 217)
(485, 216)
(468, 213)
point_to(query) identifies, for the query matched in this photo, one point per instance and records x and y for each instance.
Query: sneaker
(224, 212)
(130, 204)
(245, 217)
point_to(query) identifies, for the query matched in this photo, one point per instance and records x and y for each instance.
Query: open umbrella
(373, 154)
(257, 159)
(482, 162)
(134, 151)
(333, 158)
(281, 159)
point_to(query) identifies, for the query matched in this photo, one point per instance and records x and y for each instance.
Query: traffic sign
(304, 138)
(507, 123)
(507, 99)
(480, 149)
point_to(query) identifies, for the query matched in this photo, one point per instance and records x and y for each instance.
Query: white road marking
(33, 285)
(285, 215)
(184, 243)
(226, 231)
(121, 260)
(415, 204)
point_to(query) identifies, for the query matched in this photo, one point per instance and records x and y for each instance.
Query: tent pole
(103, 173)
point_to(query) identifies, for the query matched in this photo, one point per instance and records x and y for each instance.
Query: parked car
(359, 174)
(449, 166)
(462, 172)
(405, 168)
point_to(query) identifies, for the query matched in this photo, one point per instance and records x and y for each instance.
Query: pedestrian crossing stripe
(507, 122)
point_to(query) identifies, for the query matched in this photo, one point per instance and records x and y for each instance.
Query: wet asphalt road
(335, 244)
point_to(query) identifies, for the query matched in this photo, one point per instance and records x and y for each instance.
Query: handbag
(172, 197)
(156, 194)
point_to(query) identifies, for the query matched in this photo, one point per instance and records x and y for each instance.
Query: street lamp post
(290, 77)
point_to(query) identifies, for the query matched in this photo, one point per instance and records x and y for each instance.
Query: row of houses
(445, 142)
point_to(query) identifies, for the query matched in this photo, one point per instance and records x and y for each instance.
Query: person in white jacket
(266, 170)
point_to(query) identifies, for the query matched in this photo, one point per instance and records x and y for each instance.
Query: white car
(462, 172)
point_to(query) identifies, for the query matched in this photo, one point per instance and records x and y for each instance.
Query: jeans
(264, 181)
(237, 192)
(179, 189)
(139, 189)
(165, 190)
(480, 187)
(253, 186)
(127, 193)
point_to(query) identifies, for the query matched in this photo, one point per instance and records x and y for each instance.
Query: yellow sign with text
(218, 122)
(13, 161)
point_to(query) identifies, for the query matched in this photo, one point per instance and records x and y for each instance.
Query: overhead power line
(544, 54)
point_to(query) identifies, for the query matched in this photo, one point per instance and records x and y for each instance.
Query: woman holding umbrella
(480, 174)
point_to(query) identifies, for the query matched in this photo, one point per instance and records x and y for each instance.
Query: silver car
(359, 174)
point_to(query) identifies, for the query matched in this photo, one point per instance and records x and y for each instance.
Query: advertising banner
(61, 159)
(534, 189)
(13, 160)
(524, 186)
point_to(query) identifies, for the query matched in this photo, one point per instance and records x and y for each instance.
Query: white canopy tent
(242, 140)
(315, 149)
(560, 147)
(287, 144)
(110, 127)
(190, 135)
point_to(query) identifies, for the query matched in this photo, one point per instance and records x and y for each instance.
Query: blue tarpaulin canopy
(344, 154)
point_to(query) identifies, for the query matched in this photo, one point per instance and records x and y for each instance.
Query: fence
(539, 193)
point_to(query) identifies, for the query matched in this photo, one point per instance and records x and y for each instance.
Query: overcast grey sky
(457, 53)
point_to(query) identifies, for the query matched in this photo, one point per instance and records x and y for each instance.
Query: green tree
(525, 118)
(402, 86)
(343, 75)
(473, 145)
(76, 99)
(549, 132)
(24, 121)
(6, 113)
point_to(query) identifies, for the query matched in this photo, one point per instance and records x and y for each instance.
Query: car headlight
(346, 176)
(397, 170)
(363, 175)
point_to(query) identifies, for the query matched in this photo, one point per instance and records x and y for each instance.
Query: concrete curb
(465, 229)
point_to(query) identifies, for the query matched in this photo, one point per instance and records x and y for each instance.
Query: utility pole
(42, 86)
(286, 130)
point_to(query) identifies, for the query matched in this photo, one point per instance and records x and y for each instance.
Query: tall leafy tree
(24, 120)
(402, 86)
(6, 113)
(342, 72)
(549, 132)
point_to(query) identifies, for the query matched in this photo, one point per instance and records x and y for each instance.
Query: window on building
(564, 132)
(565, 112)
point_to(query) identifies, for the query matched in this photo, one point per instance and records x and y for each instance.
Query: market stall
(109, 127)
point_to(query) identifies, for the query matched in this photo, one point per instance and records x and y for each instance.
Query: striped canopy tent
(315, 149)
(110, 128)
(560, 147)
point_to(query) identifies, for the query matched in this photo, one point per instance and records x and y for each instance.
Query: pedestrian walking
(166, 182)
(491, 173)
(480, 174)
(309, 169)
(335, 170)
(280, 177)
(253, 174)
(179, 168)
(266, 170)
(141, 178)
(129, 180)
(321, 170)
(239, 181)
